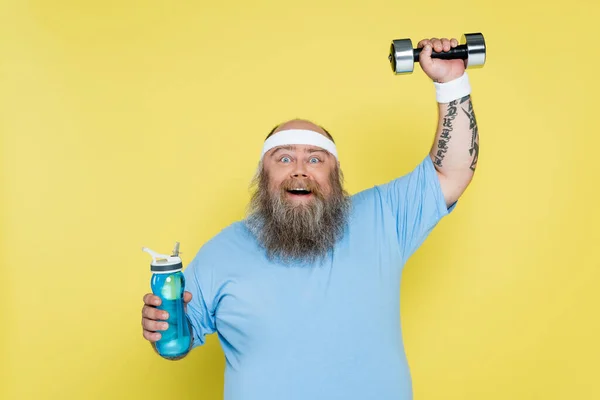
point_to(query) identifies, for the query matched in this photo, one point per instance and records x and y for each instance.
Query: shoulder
(229, 239)
(395, 192)
(368, 197)
(223, 248)
(380, 189)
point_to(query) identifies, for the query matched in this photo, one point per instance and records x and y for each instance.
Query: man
(304, 293)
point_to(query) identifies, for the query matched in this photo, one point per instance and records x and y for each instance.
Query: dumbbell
(472, 49)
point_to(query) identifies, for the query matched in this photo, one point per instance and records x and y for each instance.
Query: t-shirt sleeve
(416, 203)
(200, 311)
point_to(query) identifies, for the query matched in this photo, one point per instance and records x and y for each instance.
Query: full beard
(303, 232)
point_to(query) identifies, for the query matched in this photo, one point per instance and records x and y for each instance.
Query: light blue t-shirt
(325, 332)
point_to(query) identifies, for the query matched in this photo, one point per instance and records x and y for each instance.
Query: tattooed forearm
(445, 135)
(474, 147)
(455, 150)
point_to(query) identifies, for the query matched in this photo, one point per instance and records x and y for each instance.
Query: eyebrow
(293, 148)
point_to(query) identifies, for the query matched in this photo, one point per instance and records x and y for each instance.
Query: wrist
(453, 89)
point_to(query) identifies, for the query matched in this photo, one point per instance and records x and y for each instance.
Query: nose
(299, 171)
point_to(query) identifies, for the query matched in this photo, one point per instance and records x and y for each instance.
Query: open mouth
(299, 191)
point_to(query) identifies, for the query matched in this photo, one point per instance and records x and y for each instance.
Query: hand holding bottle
(164, 315)
(153, 319)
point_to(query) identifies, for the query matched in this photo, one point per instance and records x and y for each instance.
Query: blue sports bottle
(168, 283)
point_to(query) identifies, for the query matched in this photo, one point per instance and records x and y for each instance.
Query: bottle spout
(156, 257)
(164, 262)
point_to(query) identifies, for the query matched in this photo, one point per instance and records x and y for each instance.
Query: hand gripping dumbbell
(472, 49)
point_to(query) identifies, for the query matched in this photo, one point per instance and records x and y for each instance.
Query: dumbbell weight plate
(476, 49)
(402, 56)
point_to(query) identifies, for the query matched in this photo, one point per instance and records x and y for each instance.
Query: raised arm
(455, 150)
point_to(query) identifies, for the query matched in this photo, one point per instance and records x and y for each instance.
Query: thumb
(187, 297)
(425, 56)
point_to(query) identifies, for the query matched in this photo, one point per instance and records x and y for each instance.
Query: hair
(278, 125)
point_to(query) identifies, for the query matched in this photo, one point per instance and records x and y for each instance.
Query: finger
(437, 45)
(453, 42)
(445, 44)
(152, 336)
(151, 300)
(154, 313)
(154, 326)
(423, 43)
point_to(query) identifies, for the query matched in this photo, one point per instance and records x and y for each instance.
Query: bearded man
(304, 292)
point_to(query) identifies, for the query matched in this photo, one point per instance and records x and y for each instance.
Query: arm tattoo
(442, 145)
(474, 149)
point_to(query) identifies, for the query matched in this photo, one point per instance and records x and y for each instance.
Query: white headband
(299, 136)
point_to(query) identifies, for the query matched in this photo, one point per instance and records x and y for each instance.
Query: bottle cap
(162, 263)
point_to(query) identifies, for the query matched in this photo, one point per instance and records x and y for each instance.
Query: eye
(314, 160)
(285, 159)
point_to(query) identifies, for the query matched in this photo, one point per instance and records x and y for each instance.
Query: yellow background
(138, 123)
